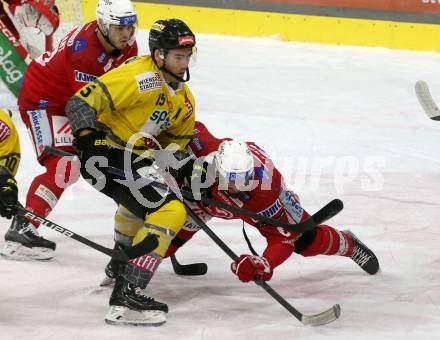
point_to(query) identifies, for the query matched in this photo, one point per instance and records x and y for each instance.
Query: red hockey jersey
(52, 78)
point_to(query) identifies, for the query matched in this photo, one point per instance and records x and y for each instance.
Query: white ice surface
(339, 122)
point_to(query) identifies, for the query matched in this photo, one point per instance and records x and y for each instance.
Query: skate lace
(360, 256)
(140, 292)
(29, 228)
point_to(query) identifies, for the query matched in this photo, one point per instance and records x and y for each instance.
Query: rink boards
(398, 24)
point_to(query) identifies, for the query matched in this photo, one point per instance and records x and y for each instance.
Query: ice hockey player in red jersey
(247, 178)
(42, 15)
(50, 80)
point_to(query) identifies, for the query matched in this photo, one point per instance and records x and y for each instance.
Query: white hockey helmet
(114, 12)
(234, 161)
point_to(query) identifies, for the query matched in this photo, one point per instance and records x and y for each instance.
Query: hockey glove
(249, 267)
(42, 15)
(94, 145)
(195, 176)
(8, 194)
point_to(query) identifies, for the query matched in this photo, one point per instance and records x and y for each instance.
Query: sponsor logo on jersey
(291, 205)
(272, 210)
(79, 44)
(5, 131)
(42, 104)
(160, 118)
(47, 195)
(84, 77)
(109, 64)
(40, 129)
(197, 143)
(101, 58)
(290, 242)
(149, 81)
(62, 131)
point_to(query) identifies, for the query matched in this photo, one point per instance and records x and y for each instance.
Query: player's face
(177, 61)
(120, 35)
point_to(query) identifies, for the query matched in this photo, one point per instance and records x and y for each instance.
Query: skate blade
(16, 251)
(119, 315)
(107, 282)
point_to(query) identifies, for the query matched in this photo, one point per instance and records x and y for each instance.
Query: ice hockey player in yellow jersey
(118, 121)
(9, 161)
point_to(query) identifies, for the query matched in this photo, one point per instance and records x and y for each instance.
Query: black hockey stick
(146, 246)
(195, 269)
(323, 318)
(328, 211)
(192, 269)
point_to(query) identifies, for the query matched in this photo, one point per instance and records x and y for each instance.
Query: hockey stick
(146, 246)
(426, 101)
(195, 269)
(328, 211)
(192, 269)
(319, 319)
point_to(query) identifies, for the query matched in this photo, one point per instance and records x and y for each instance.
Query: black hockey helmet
(170, 34)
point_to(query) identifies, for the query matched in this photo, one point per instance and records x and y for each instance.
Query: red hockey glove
(247, 267)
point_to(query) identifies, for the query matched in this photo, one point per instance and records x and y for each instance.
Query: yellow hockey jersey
(135, 99)
(9, 143)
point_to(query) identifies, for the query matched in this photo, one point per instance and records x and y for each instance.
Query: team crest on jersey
(42, 104)
(5, 131)
(84, 77)
(101, 58)
(79, 45)
(149, 81)
(189, 107)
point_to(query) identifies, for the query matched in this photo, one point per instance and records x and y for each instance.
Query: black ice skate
(22, 242)
(130, 306)
(363, 256)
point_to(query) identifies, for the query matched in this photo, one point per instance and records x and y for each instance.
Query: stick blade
(193, 269)
(330, 210)
(323, 318)
(426, 101)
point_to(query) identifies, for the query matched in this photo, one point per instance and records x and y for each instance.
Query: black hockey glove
(195, 176)
(8, 194)
(91, 145)
(93, 151)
